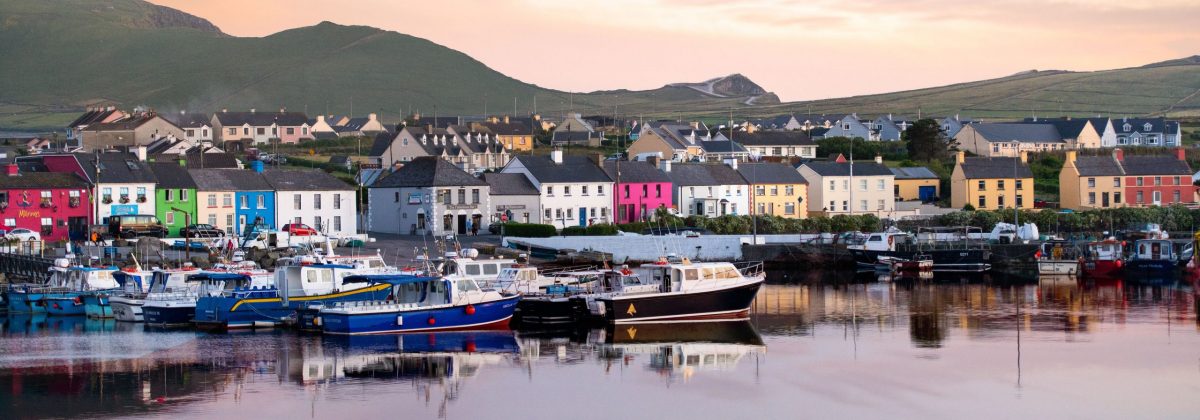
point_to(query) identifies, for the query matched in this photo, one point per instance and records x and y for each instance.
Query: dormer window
(1147, 127)
(1127, 127)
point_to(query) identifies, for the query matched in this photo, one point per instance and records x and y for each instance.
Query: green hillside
(60, 56)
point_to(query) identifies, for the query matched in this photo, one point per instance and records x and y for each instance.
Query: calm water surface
(944, 349)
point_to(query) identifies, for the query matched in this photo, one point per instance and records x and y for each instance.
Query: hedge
(602, 229)
(529, 230)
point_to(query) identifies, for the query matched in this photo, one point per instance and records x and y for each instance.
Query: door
(583, 216)
(927, 193)
(77, 228)
(462, 224)
(1104, 199)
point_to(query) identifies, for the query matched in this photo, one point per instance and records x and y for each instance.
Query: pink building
(248, 129)
(639, 190)
(55, 204)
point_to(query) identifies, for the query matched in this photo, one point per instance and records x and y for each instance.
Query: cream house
(844, 187)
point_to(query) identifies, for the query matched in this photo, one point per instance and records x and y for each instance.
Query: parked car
(134, 225)
(299, 229)
(23, 235)
(200, 230)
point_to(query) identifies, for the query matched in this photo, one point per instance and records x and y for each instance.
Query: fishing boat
(421, 304)
(70, 285)
(895, 265)
(1152, 256)
(686, 291)
(1105, 259)
(567, 300)
(25, 298)
(293, 287)
(178, 307)
(957, 249)
(138, 285)
(1058, 258)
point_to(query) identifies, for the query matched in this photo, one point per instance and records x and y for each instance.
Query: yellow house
(917, 183)
(1091, 182)
(512, 135)
(990, 183)
(778, 189)
(675, 141)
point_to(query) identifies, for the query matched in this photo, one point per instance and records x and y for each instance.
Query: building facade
(574, 190)
(639, 190)
(513, 198)
(917, 183)
(842, 187)
(991, 183)
(707, 189)
(175, 197)
(315, 198)
(428, 196)
(54, 204)
(777, 190)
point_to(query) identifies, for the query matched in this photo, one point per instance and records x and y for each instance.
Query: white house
(708, 189)
(832, 191)
(575, 191)
(428, 195)
(197, 128)
(315, 198)
(126, 183)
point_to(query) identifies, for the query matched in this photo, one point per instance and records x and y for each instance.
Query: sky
(799, 49)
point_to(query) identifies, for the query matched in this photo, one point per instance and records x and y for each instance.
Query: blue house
(850, 127)
(255, 199)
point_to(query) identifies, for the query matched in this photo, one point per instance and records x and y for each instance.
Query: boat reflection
(435, 356)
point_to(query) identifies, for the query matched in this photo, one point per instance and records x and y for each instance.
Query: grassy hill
(63, 55)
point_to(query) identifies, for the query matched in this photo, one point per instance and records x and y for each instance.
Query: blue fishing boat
(293, 287)
(420, 304)
(26, 298)
(135, 285)
(71, 285)
(177, 307)
(1152, 257)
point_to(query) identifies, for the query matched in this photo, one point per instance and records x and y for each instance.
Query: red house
(1158, 180)
(55, 204)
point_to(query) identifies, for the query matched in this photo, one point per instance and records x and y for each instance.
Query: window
(982, 201)
(549, 190)
(832, 205)
(775, 190)
(296, 202)
(1020, 185)
(570, 212)
(626, 190)
(233, 131)
(1157, 180)
(862, 185)
(317, 223)
(10, 222)
(558, 214)
(879, 184)
(778, 151)
(397, 198)
(845, 205)
(291, 130)
(167, 195)
(645, 190)
(547, 214)
(846, 184)
(261, 201)
(879, 207)
(1092, 198)
(1141, 198)
(191, 133)
(212, 200)
(1000, 201)
(982, 185)
(229, 223)
(1176, 181)
(1117, 198)
(762, 208)
(212, 219)
(1157, 197)
(462, 196)
(789, 208)
(658, 190)
(245, 202)
(832, 185)
(789, 190)
(316, 201)
(227, 200)
(1175, 196)
(604, 211)
(1139, 183)
(169, 218)
(261, 131)
(1117, 182)
(995, 148)
(599, 190)
(567, 190)
(304, 130)
(585, 190)
(760, 190)
(862, 205)
(245, 131)
(1000, 184)
(337, 201)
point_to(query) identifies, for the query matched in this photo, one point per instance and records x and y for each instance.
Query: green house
(175, 196)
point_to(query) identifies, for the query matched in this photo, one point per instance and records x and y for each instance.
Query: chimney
(506, 119)
(1024, 157)
(665, 165)
(1119, 155)
(556, 156)
(1180, 154)
(141, 153)
(252, 110)
(282, 110)
(429, 128)
(750, 129)
(11, 169)
(320, 118)
(960, 157)
(1071, 154)
(653, 160)
(695, 125)
(879, 159)
(224, 110)
(599, 159)
(732, 163)
(372, 116)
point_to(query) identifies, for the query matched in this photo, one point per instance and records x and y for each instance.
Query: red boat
(1105, 259)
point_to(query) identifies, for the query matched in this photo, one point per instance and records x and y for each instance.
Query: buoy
(160, 399)
(77, 300)
(431, 321)
(470, 310)
(470, 347)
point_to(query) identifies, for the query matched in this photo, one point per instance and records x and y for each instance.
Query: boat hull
(1136, 266)
(25, 303)
(64, 305)
(97, 305)
(221, 312)
(1058, 267)
(493, 315)
(726, 303)
(549, 310)
(969, 260)
(1102, 268)
(126, 309)
(169, 314)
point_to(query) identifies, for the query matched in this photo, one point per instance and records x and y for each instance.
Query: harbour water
(817, 345)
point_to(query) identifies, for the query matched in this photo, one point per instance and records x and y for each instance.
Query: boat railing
(165, 296)
(750, 268)
(568, 269)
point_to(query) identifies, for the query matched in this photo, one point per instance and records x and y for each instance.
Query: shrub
(635, 227)
(602, 229)
(574, 231)
(529, 230)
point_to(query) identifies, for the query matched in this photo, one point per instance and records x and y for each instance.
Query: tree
(927, 141)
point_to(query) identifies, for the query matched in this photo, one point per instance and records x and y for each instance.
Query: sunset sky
(800, 49)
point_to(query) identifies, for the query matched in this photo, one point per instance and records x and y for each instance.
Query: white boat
(1058, 258)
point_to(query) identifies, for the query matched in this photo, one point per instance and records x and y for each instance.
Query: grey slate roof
(995, 167)
(210, 160)
(919, 172)
(509, 184)
(508, 129)
(1006, 132)
(189, 120)
(262, 118)
(771, 138)
(382, 141)
(229, 180)
(1155, 165)
(704, 174)
(427, 171)
(843, 169)
(91, 117)
(572, 169)
(573, 136)
(32, 180)
(770, 173)
(303, 180)
(1157, 125)
(116, 168)
(1098, 166)
(634, 171)
(172, 175)
(1067, 128)
(721, 146)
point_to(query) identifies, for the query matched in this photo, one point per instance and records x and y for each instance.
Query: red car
(299, 229)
